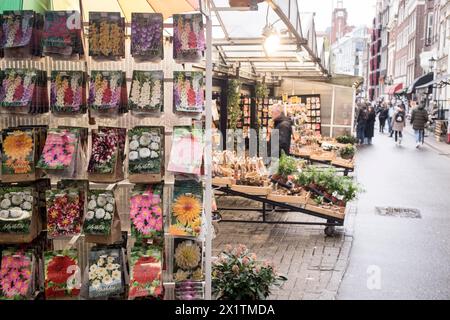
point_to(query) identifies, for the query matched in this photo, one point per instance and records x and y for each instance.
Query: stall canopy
(394, 89)
(440, 82)
(420, 81)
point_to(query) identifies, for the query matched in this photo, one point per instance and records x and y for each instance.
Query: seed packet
(189, 290)
(145, 154)
(16, 204)
(186, 155)
(16, 274)
(146, 212)
(147, 92)
(18, 87)
(146, 273)
(186, 209)
(18, 150)
(106, 93)
(147, 36)
(188, 92)
(189, 37)
(188, 255)
(100, 213)
(62, 34)
(62, 274)
(64, 213)
(68, 92)
(105, 273)
(106, 35)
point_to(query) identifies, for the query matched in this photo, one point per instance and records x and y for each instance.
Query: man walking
(390, 118)
(284, 126)
(419, 118)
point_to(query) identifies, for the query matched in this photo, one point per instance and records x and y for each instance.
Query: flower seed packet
(105, 273)
(18, 151)
(187, 209)
(146, 212)
(67, 92)
(145, 154)
(16, 275)
(188, 260)
(64, 213)
(186, 155)
(62, 274)
(188, 92)
(146, 273)
(17, 90)
(189, 37)
(105, 92)
(147, 92)
(106, 35)
(100, 213)
(189, 290)
(147, 36)
(16, 209)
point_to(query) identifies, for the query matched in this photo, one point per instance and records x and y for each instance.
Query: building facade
(375, 56)
(339, 25)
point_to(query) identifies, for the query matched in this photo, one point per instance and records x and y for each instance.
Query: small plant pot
(347, 156)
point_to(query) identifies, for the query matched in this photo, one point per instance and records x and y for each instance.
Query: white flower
(134, 155)
(109, 207)
(100, 213)
(90, 215)
(92, 204)
(156, 139)
(101, 201)
(154, 146)
(7, 196)
(4, 214)
(134, 145)
(96, 284)
(5, 204)
(92, 274)
(29, 199)
(110, 259)
(110, 266)
(116, 266)
(154, 155)
(93, 197)
(111, 200)
(17, 199)
(100, 262)
(107, 280)
(107, 217)
(144, 153)
(15, 212)
(26, 205)
(145, 140)
(93, 268)
(116, 275)
(135, 137)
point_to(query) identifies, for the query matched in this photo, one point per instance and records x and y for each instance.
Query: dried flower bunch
(145, 152)
(62, 274)
(18, 150)
(147, 92)
(16, 209)
(67, 92)
(189, 37)
(188, 94)
(106, 35)
(188, 260)
(147, 36)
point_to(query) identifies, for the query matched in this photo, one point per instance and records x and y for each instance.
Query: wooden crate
(299, 200)
(255, 191)
(327, 212)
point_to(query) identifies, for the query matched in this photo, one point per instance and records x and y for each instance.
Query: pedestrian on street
(383, 116)
(399, 123)
(361, 123)
(370, 125)
(419, 119)
(284, 126)
(390, 118)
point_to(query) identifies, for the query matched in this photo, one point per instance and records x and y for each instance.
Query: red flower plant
(146, 270)
(58, 267)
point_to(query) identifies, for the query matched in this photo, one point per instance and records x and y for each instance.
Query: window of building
(429, 29)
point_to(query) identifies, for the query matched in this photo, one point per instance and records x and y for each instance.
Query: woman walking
(383, 116)
(361, 123)
(399, 123)
(370, 125)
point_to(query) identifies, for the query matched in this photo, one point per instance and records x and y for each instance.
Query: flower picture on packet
(17, 88)
(17, 28)
(16, 270)
(187, 209)
(60, 150)
(105, 273)
(106, 35)
(100, 213)
(105, 90)
(64, 213)
(186, 155)
(18, 150)
(189, 37)
(146, 212)
(147, 36)
(146, 273)
(67, 92)
(16, 209)
(187, 260)
(147, 92)
(145, 150)
(62, 274)
(189, 290)
(188, 92)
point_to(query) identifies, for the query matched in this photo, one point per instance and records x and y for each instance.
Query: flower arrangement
(18, 151)
(64, 213)
(145, 152)
(188, 92)
(107, 147)
(147, 91)
(105, 90)
(146, 212)
(17, 28)
(67, 92)
(60, 150)
(105, 273)
(18, 87)
(189, 37)
(187, 209)
(186, 155)
(238, 275)
(147, 36)
(16, 209)
(146, 273)
(188, 260)
(100, 213)
(62, 274)
(15, 275)
(106, 35)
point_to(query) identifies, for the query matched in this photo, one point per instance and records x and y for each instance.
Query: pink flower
(246, 261)
(235, 269)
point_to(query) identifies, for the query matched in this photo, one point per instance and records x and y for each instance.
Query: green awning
(6, 5)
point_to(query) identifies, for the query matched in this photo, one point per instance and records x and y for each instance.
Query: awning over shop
(439, 82)
(420, 81)
(394, 89)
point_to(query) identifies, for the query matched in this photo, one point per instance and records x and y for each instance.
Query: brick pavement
(313, 263)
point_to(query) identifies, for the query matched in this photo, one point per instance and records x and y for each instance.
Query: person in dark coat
(383, 116)
(419, 119)
(370, 125)
(284, 126)
(361, 122)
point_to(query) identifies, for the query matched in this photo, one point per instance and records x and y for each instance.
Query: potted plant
(346, 139)
(347, 152)
(238, 275)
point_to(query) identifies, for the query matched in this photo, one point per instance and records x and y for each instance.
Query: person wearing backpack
(419, 119)
(399, 123)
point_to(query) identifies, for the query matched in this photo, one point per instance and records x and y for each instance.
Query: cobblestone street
(313, 263)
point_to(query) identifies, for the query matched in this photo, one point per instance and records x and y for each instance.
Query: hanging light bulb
(271, 41)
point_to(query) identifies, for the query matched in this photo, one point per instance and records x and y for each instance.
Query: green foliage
(234, 100)
(347, 152)
(347, 139)
(238, 275)
(287, 166)
(261, 91)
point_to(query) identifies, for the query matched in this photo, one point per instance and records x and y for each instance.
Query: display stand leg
(264, 211)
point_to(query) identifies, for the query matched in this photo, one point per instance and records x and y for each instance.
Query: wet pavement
(401, 257)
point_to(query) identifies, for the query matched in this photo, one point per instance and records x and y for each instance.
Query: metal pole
(352, 130)
(333, 103)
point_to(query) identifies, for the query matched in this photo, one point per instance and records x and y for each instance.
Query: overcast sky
(360, 12)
